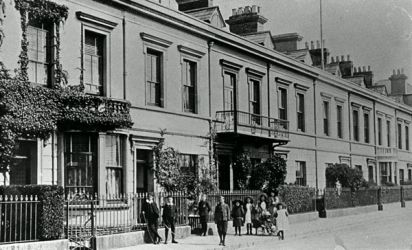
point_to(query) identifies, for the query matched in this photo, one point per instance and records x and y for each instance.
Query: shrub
(50, 208)
(347, 176)
(268, 175)
(297, 198)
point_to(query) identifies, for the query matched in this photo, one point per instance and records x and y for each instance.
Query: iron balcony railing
(386, 151)
(253, 124)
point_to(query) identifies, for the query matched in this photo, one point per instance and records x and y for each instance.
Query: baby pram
(268, 222)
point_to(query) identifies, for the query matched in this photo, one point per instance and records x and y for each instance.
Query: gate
(80, 222)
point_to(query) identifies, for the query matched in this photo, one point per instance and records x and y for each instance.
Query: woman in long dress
(248, 215)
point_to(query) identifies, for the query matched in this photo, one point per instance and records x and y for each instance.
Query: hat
(251, 199)
(234, 202)
(264, 195)
(281, 203)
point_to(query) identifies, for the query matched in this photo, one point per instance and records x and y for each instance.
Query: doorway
(144, 172)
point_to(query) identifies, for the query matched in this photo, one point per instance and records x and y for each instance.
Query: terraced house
(208, 87)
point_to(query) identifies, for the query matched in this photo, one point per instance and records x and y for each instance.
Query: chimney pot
(364, 68)
(359, 69)
(348, 56)
(323, 43)
(342, 58)
(354, 69)
(254, 9)
(317, 44)
(369, 68)
(240, 11)
(337, 58)
(393, 73)
(332, 59)
(258, 9)
(248, 9)
(306, 45)
(234, 12)
(399, 72)
(312, 46)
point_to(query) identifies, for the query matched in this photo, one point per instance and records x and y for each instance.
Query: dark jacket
(151, 211)
(222, 213)
(169, 212)
(204, 209)
(237, 211)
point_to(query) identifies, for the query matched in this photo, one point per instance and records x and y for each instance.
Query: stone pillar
(101, 169)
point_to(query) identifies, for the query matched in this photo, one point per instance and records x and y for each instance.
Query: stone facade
(187, 79)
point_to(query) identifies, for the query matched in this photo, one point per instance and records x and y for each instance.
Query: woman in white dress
(248, 215)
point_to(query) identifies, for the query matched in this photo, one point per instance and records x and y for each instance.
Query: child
(282, 220)
(256, 218)
(248, 215)
(237, 215)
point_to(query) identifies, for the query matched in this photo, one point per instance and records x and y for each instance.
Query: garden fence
(18, 218)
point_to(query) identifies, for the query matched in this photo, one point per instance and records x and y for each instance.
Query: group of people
(151, 214)
(269, 214)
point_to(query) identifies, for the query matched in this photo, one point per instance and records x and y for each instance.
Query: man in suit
(222, 215)
(169, 217)
(151, 214)
(204, 209)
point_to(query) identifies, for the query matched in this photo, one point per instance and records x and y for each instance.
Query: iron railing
(103, 215)
(18, 218)
(253, 124)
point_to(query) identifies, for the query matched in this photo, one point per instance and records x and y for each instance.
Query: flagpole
(321, 37)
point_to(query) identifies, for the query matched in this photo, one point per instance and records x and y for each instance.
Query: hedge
(50, 208)
(297, 198)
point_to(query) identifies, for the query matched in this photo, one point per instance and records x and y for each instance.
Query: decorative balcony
(248, 124)
(386, 152)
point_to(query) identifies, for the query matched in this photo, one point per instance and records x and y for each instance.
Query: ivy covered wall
(28, 111)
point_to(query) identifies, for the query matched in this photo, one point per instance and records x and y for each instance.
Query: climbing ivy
(35, 112)
(40, 11)
(28, 111)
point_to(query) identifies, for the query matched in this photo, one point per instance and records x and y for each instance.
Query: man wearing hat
(222, 213)
(151, 215)
(169, 217)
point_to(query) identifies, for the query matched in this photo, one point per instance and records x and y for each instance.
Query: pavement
(387, 229)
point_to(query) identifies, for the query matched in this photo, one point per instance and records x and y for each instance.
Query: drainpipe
(268, 83)
(316, 134)
(350, 129)
(374, 135)
(124, 57)
(210, 45)
(52, 148)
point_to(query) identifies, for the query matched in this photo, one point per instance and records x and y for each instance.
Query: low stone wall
(350, 211)
(134, 238)
(39, 245)
(303, 217)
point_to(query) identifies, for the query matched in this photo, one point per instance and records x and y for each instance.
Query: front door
(224, 171)
(144, 173)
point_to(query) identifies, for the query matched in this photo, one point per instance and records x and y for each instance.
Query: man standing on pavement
(204, 209)
(151, 215)
(222, 213)
(169, 217)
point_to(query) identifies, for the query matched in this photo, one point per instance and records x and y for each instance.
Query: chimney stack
(246, 20)
(367, 75)
(398, 82)
(185, 5)
(316, 54)
(287, 42)
(346, 67)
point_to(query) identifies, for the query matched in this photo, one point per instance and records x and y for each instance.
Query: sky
(373, 32)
